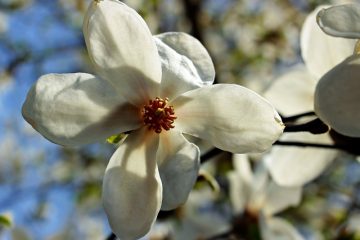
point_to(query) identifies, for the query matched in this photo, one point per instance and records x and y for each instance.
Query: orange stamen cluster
(157, 116)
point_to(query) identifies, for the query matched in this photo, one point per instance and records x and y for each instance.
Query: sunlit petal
(132, 188)
(289, 165)
(293, 92)
(179, 163)
(229, 116)
(279, 198)
(337, 98)
(122, 49)
(259, 186)
(69, 109)
(320, 51)
(240, 182)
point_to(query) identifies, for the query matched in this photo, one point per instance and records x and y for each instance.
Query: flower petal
(192, 48)
(292, 92)
(279, 198)
(77, 108)
(259, 185)
(341, 20)
(132, 188)
(179, 163)
(289, 166)
(240, 182)
(320, 51)
(229, 116)
(276, 228)
(337, 97)
(179, 74)
(122, 50)
(200, 217)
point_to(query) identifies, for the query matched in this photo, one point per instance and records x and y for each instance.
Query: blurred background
(50, 192)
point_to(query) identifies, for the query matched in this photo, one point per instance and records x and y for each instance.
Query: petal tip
(279, 120)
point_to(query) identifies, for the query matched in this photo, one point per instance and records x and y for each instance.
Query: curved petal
(320, 51)
(337, 97)
(229, 116)
(132, 188)
(292, 92)
(279, 198)
(77, 108)
(179, 163)
(276, 228)
(242, 166)
(122, 49)
(294, 166)
(240, 181)
(259, 186)
(341, 20)
(179, 74)
(192, 48)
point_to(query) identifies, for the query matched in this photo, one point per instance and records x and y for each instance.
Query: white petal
(259, 186)
(278, 229)
(190, 47)
(229, 116)
(132, 188)
(179, 163)
(122, 50)
(337, 98)
(292, 92)
(242, 166)
(200, 217)
(240, 181)
(179, 74)
(279, 198)
(77, 108)
(295, 166)
(320, 51)
(341, 20)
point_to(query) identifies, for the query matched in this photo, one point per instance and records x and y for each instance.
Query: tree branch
(297, 116)
(315, 126)
(111, 237)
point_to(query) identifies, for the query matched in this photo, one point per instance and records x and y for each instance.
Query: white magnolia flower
(337, 97)
(254, 192)
(157, 88)
(293, 93)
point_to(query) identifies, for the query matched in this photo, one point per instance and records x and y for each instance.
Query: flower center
(157, 116)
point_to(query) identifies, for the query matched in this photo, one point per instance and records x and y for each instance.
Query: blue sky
(36, 29)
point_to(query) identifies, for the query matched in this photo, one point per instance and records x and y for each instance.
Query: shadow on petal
(132, 190)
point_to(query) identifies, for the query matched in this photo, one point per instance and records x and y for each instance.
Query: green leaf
(114, 139)
(5, 220)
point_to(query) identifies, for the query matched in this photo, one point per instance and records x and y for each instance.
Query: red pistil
(158, 116)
